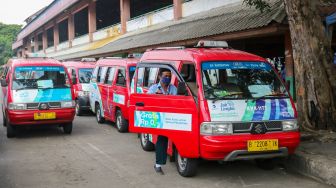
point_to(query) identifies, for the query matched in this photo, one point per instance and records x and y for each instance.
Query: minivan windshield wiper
(23, 88)
(270, 95)
(227, 95)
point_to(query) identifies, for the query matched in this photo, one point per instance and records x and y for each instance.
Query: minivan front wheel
(145, 143)
(79, 111)
(99, 116)
(121, 122)
(67, 128)
(186, 167)
(11, 131)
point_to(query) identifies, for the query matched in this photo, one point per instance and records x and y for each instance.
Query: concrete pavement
(99, 156)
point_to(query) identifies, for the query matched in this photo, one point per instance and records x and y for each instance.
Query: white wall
(197, 6)
(81, 40)
(151, 19)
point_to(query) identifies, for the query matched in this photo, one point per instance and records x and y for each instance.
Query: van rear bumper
(26, 117)
(234, 147)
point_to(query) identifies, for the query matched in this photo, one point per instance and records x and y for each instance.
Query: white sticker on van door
(163, 120)
(120, 99)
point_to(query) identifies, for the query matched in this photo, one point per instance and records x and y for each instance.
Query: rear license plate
(43, 116)
(262, 145)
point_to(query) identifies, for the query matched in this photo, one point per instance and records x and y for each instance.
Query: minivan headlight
(68, 104)
(290, 125)
(17, 106)
(216, 128)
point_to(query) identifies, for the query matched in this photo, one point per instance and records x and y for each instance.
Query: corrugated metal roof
(220, 20)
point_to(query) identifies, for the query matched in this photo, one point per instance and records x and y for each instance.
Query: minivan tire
(3, 120)
(79, 111)
(186, 167)
(67, 128)
(145, 143)
(121, 122)
(99, 117)
(11, 131)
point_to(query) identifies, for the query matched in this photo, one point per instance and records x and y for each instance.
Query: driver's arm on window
(154, 90)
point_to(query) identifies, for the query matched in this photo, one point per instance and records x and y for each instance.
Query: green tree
(7, 36)
(315, 74)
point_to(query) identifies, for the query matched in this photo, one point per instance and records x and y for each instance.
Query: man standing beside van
(164, 87)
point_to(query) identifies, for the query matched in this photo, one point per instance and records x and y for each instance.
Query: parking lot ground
(98, 156)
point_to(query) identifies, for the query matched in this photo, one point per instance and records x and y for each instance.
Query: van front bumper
(234, 147)
(26, 117)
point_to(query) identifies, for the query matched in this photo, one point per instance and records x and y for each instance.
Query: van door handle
(139, 104)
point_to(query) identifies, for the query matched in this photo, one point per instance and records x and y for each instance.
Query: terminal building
(72, 29)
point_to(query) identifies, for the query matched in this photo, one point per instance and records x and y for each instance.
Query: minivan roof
(33, 62)
(199, 54)
(117, 61)
(79, 64)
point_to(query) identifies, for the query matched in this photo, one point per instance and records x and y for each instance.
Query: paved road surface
(98, 156)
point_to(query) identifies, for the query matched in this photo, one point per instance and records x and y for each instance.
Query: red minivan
(110, 88)
(80, 73)
(36, 91)
(230, 105)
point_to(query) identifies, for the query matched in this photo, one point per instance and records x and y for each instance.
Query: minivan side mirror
(74, 80)
(182, 89)
(4, 83)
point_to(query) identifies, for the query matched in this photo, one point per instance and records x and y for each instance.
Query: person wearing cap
(164, 87)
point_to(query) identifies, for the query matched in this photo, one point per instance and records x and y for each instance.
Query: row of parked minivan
(229, 105)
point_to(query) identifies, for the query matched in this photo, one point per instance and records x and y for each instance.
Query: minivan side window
(121, 77)
(72, 72)
(95, 73)
(153, 78)
(109, 75)
(189, 75)
(102, 75)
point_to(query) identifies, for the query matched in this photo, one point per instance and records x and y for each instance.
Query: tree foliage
(7, 36)
(314, 72)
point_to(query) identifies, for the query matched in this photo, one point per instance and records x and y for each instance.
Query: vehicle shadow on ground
(38, 132)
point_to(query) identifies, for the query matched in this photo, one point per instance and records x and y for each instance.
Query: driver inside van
(164, 87)
(227, 88)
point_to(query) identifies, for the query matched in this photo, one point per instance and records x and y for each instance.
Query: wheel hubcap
(98, 115)
(118, 121)
(182, 162)
(77, 108)
(143, 139)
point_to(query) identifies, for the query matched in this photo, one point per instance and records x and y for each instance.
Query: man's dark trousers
(161, 150)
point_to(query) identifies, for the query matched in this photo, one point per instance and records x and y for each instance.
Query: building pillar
(125, 14)
(71, 29)
(56, 35)
(92, 19)
(29, 46)
(44, 41)
(177, 9)
(36, 43)
(289, 65)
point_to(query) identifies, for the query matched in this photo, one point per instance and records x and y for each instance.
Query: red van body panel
(109, 94)
(193, 144)
(26, 117)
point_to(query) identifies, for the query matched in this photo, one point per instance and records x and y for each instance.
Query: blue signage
(235, 65)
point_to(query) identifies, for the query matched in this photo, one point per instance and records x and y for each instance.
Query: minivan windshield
(84, 75)
(39, 77)
(241, 80)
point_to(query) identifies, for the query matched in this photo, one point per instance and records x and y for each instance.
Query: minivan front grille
(33, 106)
(243, 127)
